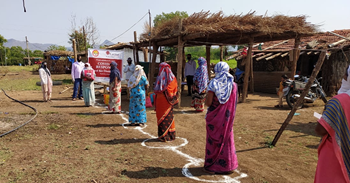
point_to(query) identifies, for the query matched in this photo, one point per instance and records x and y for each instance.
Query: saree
(200, 85)
(334, 150)
(198, 99)
(220, 156)
(88, 86)
(115, 102)
(137, 105)
(164, 104)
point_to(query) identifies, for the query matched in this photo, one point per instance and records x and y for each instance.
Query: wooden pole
(221, 53)
(145, 53)
(75, 50)
(136, 52)
(207, 51)
(295, 57)
(247, 70)
(153, 65)
(251, 75)
(179, 66)
(299, 101)
(29, 62)
(86, 53)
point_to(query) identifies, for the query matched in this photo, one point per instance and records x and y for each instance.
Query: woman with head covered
(115, 89)
(220, 151)
(199, 89)
(334, 150)
(166, 97)
(137, 86)
(46, 82)
(88, 76)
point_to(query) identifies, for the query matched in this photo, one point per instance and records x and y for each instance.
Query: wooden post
(153, 65)
(145, 54)
(299, 101)
(295, 57)
(75, 50)
(85, 49)
(179, 66)
(221, 53)
(136, 52)
(247, 70)
(207, 51)
(251, 75)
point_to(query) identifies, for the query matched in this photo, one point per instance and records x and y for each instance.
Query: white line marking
(192, 161)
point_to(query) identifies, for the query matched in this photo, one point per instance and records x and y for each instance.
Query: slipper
(277, 106)
(74, 99)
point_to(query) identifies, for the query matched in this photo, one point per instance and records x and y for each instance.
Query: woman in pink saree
(220, 156)
(334, 150)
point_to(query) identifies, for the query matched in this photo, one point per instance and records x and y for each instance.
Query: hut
(205, 28)
(58, 60)
(272, 59)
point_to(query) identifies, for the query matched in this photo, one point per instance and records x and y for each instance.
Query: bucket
(106, 99)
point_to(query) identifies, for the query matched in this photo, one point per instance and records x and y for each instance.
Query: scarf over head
(201, 74)
(114, 72)
(43, 65)
(165, 76)
(345, 84)
(136, 76)
(88, 67)
(222, 84)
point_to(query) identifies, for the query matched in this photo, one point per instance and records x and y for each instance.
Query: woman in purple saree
(220, 156)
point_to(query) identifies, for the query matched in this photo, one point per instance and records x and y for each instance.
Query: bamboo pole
(274, 56)
(284, 54)
(153, 65)
(145, 54)
(207, 52)
(247, 69)
(299, 101)
(251, 75)
(179, 67)
(295, 57)
(75, 50)
(262, 57)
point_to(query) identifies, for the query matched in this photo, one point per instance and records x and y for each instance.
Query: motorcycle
(295, 88)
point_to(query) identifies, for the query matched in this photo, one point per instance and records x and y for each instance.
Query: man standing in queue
(190, 69)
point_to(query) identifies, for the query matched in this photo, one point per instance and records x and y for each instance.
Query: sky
(49, 21)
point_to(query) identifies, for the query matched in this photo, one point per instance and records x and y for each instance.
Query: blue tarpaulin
(238, 72)
(71, 59)
(55, 57)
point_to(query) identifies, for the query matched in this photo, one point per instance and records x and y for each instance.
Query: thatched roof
(119, 46)
(58, 53)
(205, 28)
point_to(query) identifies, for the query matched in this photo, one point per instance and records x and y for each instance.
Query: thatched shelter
(205, 28)
(57, 60)
(273, 59)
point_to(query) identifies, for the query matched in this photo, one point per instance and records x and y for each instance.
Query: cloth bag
(148, 102)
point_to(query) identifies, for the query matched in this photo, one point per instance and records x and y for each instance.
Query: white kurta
(46, 84)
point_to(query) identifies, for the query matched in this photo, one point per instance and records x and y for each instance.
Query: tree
(2, 40)
(56, 47)
(77, 33)
(158, 19)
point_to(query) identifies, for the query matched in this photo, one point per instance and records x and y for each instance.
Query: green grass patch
(53, 126)
(5, 154)
(232, 63)
(67, 81)
(19, 68)
(19, 84)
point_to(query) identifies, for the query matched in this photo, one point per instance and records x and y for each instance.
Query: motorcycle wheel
(322, 95)
(291, 100)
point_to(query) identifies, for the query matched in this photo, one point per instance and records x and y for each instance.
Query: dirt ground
(68, 142)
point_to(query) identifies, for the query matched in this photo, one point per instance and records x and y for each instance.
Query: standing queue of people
(219, 94)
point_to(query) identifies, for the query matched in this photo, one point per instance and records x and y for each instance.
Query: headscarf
(165, 76)
(114, 72)
(87, 68)
(136, 76)
(345, 84)
(222, 84)
(201, 74)
(43, 66)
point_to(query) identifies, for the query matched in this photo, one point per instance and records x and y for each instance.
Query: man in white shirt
(77, 67)
(190, 69)
(128, 70)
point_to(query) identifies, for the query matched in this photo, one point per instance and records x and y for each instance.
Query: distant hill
(42, 47)
(31, 46)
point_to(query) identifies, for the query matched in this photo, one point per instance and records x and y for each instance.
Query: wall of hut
(333, 70)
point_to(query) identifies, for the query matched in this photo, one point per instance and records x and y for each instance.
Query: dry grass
(206, 22)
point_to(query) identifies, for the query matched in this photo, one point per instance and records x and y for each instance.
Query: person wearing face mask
(46, 82)
(190, 69)
(77, 67)
(334, 150)
(88, 75)
(128, 70)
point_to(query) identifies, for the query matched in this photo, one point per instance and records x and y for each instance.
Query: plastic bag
(148, 102)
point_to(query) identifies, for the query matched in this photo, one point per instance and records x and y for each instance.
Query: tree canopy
(77, 33)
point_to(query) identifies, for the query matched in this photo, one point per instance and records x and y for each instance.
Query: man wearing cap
(128, 70)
